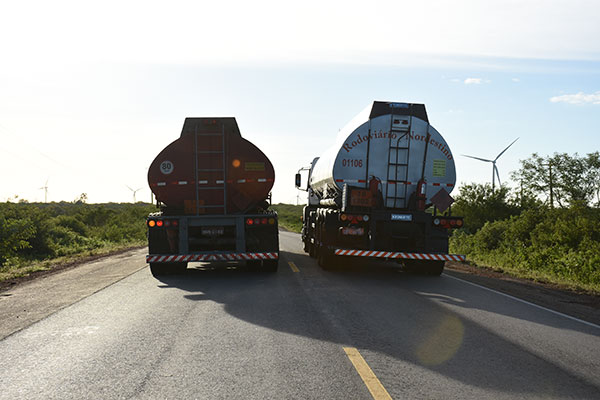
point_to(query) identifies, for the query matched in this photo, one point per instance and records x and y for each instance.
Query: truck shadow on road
(413, 325)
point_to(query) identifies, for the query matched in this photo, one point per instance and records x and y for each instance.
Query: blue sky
(91, 95)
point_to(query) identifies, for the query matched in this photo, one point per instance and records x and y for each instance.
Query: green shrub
(560, 244)
(289, 216)
(30, 232)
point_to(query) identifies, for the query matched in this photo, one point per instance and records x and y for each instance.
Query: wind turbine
(45, 188)
(495, 172)
(134, 192)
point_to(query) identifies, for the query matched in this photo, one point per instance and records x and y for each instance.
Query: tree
(479, 204)
(15, 234)
(82, 199)
(561, 178)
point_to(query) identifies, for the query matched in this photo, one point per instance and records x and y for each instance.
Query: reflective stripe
(211, 257)
(401, 255)
(218, 182)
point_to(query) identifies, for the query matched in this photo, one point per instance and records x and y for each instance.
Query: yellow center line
(375, 387)
(293, 266)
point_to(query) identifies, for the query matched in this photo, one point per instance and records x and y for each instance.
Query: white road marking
(525, 302)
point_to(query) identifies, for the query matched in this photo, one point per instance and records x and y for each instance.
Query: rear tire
(430, 268)
(270, 266)
(327, 260)
(253, 265)
(312, 250)
(434, 268)
(162, 269)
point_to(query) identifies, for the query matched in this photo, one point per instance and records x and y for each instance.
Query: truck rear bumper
(157, 258)
(401, 255)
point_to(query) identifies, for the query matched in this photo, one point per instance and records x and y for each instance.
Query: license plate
(402, 217)
(353, 231)
(361, 198)
(213, 231)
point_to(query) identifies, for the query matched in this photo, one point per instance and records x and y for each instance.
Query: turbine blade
(477, 158)
(502, 152)
(498, 175)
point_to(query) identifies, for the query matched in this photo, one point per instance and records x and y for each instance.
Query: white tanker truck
(382, 191)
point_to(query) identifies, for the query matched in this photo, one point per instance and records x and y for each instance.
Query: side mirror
(298, 181)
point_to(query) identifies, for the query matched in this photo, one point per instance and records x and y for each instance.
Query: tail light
(448, 223)
(354, 219)
(160, 223)
(260, 221)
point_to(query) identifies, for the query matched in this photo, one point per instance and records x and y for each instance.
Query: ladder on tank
(213, 184)
(398, 158)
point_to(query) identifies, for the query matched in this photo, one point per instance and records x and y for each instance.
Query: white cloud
(578, 98)
(516, 80)
(473, 81)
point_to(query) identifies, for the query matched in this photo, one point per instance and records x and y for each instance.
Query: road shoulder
(28, 302)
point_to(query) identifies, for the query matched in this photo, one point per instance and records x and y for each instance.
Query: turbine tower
(134, 192)
(45, 189)
(495, 172)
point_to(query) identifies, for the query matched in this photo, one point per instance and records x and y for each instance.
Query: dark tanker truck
(213, 191)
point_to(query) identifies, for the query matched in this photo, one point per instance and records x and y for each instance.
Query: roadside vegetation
(289, 216)
(35, 237)
(547, 229)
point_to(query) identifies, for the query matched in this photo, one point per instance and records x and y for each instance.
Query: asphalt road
(302, 333)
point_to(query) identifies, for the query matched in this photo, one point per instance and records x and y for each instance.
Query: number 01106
(349, 162)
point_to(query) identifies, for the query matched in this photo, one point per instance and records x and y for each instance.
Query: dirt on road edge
(12, 282)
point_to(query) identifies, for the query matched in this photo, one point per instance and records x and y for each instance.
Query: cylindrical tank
(211, 169)
(392, 143)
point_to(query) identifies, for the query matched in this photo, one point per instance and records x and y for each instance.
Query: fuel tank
(211, 169)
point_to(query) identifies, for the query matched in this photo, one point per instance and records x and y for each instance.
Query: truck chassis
(173, 241)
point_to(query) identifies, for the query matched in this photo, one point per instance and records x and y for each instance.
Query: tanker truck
(382, 191)
(212, 189)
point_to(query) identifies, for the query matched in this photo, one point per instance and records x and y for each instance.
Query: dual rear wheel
(431, 268)
(171, 268)
(269, 266)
